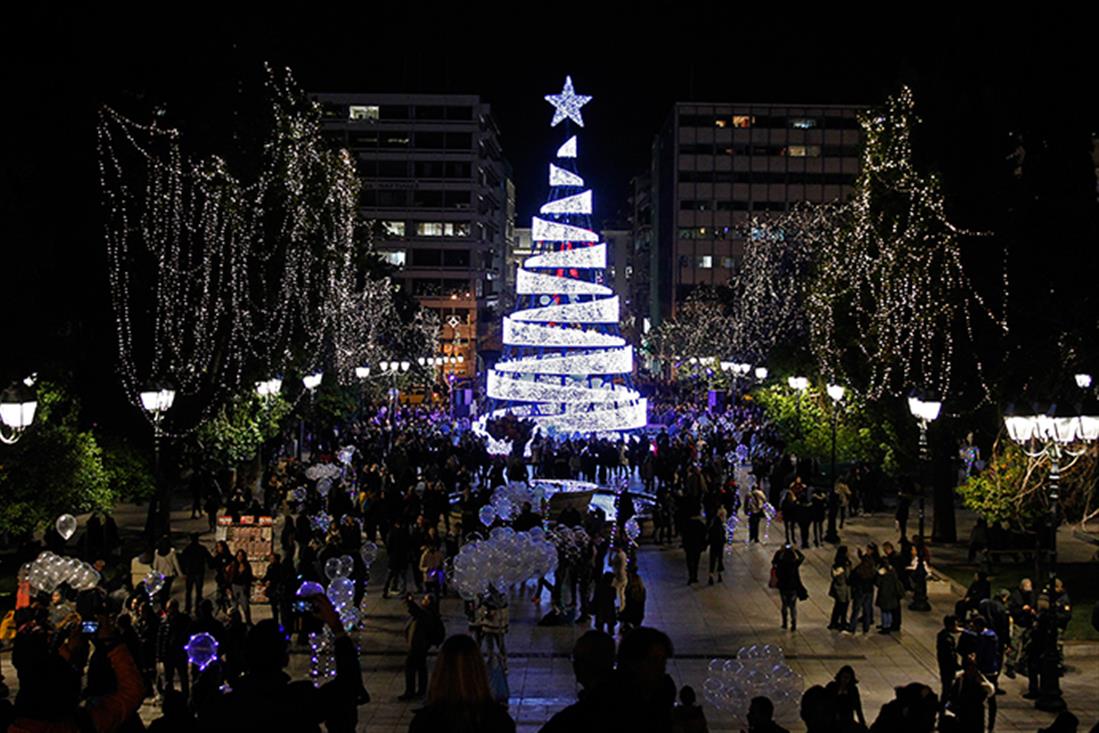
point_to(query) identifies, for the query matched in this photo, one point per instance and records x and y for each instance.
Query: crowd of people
(414, 483)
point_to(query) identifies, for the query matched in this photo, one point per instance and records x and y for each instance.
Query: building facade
(435, 185)
(715, 166)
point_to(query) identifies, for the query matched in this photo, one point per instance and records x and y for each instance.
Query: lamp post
(925, 412)
(1083, 381)
(267, 390)
(1051, 433)
(761, 374)
(799, 385)
(157, 399)
(17, 408)
(836, 392)
(310, 382)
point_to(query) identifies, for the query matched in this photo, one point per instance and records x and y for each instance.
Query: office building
(435, 184)
(714, 166)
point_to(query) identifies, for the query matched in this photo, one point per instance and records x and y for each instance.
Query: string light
(562, 177)
(568, 150)
(550, 371)
(534, 283)
(577, 204)
(597, 311)
(529, 334)
(551, 231)
(567, 104)
(594, 256)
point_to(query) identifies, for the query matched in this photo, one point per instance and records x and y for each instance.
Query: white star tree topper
(567, 104)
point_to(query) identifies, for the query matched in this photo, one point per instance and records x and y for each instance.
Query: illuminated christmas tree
(565, 364)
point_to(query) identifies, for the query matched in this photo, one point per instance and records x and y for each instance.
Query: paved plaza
(705, 623)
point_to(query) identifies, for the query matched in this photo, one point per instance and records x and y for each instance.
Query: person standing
(819, 507)
(459, 696)
(171, 637)
(967, 698)
(789, 507)
(840, 589)
(862, 580)
(715, 537)
(981, 644)
(277, 580)
(166, 563)
(754, 505)
(397, 545)
(787, 563)
(194, 560)
(890, 592)
(694, 540)
(222, 562)
(805, 516)
(946, 654)
(418, 636)
(846, 701)
(240, 580)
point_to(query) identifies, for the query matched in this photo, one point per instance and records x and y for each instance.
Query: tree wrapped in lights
(700, 329)
(565, 364)
(217, 281)
(889, 295)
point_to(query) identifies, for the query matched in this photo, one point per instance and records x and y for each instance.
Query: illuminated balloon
(66, 526)
(202, 649)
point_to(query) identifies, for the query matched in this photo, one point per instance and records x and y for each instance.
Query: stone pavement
(713, 622)
(704, 623)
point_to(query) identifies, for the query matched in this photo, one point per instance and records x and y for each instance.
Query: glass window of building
(430, 112)
(396, 257)
(363, 112)
(803, 123)
(803, 151)
(393, 112)
(393, 228)
(442, 229)
(729, 263)
(395, 140)
(743, 121)
(705, 262)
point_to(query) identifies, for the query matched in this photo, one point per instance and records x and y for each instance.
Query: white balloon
(66, 526)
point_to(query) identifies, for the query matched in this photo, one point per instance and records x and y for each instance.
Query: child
(687, 716)
(603, 603)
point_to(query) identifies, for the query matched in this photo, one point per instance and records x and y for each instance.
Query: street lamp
(1051, 433)
(925, 412)
(761, 373)
(836, 392)
(310, 382)
(799, 385)
(17, 407)
(157, 399)
(268, 388)
(1083, 381)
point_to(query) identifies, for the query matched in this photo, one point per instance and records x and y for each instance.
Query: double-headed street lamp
(836, 392)
(925, 412)
(17, 407)
(310, 382)
(1053, 433)
(157, 399)
(799, 385)
(1083, 381)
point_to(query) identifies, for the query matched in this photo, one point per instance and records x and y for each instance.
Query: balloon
(487, 515)
(298, 494)
(369, 553)
(309, 588)
(154, 582)
(333, 568)
(324, 486)
(347, 566)
(341, 592)
(66, 526)
(633, 529)
(202, 649)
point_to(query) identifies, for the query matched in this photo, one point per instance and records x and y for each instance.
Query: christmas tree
(565, 364)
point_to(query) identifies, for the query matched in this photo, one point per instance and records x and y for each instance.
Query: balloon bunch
(731, 525)
(507, 557)
(322, 644)
(319, 471)
(570, 541)
(769, 515)
(341, 589)
(514, 495)
(49, 571)
(758, 670)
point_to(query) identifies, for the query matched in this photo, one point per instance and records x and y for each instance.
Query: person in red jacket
(50, 683)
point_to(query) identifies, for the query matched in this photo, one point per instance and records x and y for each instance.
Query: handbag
(773, 582)
(803, 592)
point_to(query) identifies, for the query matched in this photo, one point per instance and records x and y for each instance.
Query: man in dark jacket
(946, 653)
(420, 633)
(786, 564)
(397, 547)
(194, 560)
(983, 644)
(694, 541)
(593, 665)
(171, 637)
(265, 699)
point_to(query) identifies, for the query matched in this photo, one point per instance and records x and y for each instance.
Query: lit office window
(803, 123)
(743, 120)
(803, 151)
(442, 229)
(728, 263)
(393, 228)
(720, 122)
(705, 262)
(395, 258)
(362, 112)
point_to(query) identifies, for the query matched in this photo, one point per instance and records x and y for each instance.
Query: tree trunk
(944, 476)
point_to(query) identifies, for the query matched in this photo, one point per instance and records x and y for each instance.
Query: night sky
(978, 81)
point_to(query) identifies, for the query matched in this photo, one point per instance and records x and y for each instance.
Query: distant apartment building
(435, 183)
(714, 166)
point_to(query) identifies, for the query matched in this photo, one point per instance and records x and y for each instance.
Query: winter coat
(840, 589)
(890, 590)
